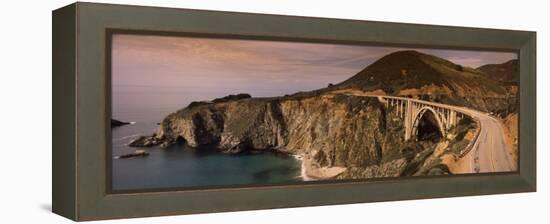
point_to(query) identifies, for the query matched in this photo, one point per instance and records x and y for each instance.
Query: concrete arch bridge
(486, 153)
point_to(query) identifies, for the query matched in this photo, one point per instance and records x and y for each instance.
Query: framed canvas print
(160, 111)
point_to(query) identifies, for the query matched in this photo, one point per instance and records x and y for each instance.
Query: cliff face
(335, 130)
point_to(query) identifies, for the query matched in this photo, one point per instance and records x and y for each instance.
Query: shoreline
(312, 172)
(303, 172)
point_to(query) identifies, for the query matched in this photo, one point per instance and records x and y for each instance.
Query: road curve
(489, 153)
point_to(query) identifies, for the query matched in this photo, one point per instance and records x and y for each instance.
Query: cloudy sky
(262, 68)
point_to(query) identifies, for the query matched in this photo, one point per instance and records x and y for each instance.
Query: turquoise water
(182, 166)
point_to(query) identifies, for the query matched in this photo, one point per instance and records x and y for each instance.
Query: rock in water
(145, 141)
(137, 153)
(117, 123)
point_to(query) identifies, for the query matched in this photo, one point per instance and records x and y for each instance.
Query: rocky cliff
(334, 130)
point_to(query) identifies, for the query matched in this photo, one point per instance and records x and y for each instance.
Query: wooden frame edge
(89, 203)
(64, 189)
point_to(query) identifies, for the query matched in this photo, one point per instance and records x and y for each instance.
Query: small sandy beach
(311, 171)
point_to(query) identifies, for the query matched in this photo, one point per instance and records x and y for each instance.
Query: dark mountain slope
(415, 73)
(505, 72)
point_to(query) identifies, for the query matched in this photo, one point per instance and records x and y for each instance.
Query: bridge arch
(432, 116)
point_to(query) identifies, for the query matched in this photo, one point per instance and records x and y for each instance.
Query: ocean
(181, 165)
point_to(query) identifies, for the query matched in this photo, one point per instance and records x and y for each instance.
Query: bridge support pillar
(399, 107)
(409, 119)
(411, 110)
(452, 119)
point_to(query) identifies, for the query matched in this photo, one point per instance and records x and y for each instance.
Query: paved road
(489, 152)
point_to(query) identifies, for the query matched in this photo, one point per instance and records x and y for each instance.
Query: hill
(506, 72)
(408, 73)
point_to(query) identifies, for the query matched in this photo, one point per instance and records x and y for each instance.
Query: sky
(261, 68)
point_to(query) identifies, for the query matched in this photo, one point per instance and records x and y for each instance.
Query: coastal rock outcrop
(335, 130)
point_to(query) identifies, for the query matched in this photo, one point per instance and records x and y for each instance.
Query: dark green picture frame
(81, 110)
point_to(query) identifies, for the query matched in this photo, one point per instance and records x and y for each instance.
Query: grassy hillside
(415, 73)
(506, 72)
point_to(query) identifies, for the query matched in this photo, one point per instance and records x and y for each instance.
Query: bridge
(486, 153)
(413, 110)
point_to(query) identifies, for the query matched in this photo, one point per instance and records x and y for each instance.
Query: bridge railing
(472, 143)
(461, 111)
